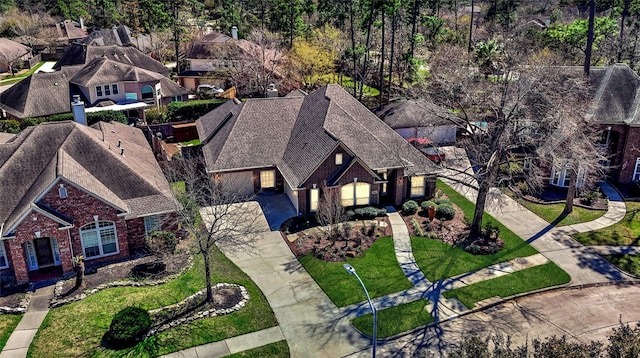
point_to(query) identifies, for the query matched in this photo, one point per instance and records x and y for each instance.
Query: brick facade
(79, 207)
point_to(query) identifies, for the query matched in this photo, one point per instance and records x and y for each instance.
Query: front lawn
(8, 323)
(395, 320)
(77, 329)
(533, 278)
(378, 268)
(552, 212)
(627, 263)
(439, 260)
(273, 350)
(624, 232)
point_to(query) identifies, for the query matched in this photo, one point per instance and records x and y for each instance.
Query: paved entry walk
(19, 341)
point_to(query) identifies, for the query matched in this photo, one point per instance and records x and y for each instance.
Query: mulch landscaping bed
(127, 270)
(12, 296)
(448, 231)
(354, 239)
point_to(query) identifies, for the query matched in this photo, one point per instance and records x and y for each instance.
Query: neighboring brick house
(71, 190)
(105, 77)
(616, 110)
(298, 143)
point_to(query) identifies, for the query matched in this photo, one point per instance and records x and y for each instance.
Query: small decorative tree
(330, 211)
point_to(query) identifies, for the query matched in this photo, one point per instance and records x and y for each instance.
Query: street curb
(502, 301)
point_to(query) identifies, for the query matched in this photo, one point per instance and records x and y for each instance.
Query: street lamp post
(350, 269)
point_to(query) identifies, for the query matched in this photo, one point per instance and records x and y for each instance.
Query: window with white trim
(267, 179)
(355, 194)
(99, 91)
(636, 171)
(385, 177)
(338, 158)
(4, 263)
(561, 176)
(107, 90)
(62, 192)
(114, 88)
(417, 186)
(152, 223)
(314, 199)
(99, 239)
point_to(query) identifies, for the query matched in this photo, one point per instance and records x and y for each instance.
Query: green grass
(8, 323)
(395, 320)
(439, 260)
(10, 79)
(77, 329)
(347, 83)
(190, 142)
(552, 212)
(526, 280)
(273, 350)
(627, 263)
(378, 268)
(625, 232)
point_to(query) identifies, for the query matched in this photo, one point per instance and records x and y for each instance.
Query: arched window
(147, 92)
(355, 194)
(99, 239)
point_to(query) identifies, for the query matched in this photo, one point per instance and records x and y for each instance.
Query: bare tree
(330, 211)
(212, 211)
(507, 120)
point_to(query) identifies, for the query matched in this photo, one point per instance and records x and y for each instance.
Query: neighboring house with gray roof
(120, 35)
(11, 53)
(420, 119)
(616, 109)
(299, 143)
(81, 54)
(72, 190)
(104, 83)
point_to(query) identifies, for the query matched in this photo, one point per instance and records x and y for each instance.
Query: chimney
(234, 32)
(77, 107)
(81, 22)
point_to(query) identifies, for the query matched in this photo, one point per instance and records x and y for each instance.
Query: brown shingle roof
(408, 113)
(103, 70)
(10, 50)
(78, 54)
(40, 94)
(296, 134)
(90, 158)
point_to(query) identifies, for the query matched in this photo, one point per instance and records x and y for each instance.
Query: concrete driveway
(276, 208)
(579, 314)
(311, 323)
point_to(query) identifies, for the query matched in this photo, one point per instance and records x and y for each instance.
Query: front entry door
(43, 252)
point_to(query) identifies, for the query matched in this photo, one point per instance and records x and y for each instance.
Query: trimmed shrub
(192, 110)
(440, 201)
(445, 211)
(128, 326)
(349, 214)
(410, 207)
(369, 212)
(427, 203)
(162, 242)
(106, 116)
(10, 126)
(157, 115)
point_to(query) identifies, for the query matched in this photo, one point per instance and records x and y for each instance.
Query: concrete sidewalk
(19, 341)
(231, 345)
(580, 262)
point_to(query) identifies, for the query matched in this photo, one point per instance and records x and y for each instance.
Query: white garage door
(239, 182)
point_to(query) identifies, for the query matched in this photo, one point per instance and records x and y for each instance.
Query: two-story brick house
(299, 143)
(70, 190)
